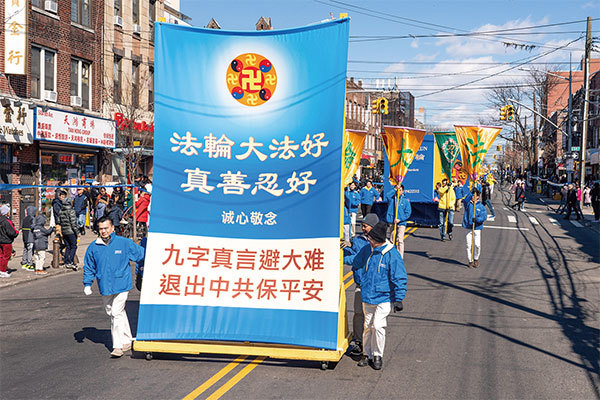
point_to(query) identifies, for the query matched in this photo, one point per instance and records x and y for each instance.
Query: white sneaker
(116, 353)
(4, 274)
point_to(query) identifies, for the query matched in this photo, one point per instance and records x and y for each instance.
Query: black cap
(378, 233)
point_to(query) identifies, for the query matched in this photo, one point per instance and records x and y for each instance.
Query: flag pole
(396, 216)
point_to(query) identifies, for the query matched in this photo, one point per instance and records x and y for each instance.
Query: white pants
(114, 305)
(491, 190)
(400, 231)
(352, 224)
(347, 232)
(39, 256)
(374, 328)
(477, 244)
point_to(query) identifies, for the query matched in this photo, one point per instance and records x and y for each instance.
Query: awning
(126, 150)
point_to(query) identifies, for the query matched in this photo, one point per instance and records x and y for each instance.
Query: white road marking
(577, 224)
(512, 218)
(507, 227)
(534, 221)
(553, 221)
(505, 209)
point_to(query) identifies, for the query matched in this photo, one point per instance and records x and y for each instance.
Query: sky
(392, 43)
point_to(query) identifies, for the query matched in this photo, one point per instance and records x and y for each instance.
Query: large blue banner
(245, 215)
(418, 184)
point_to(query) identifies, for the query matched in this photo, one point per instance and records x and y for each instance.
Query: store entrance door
(27, 195)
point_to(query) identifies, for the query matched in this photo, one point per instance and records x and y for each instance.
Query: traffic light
(510, 113)
(503, 113)
(384, 106)
(375, 106)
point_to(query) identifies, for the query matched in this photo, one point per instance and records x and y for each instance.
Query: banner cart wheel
(149, 356)
(324, 365)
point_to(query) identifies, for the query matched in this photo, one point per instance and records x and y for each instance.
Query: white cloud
(425, 57)
(414, 44)
(590, 4)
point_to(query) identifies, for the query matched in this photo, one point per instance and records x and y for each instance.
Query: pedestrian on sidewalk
(40, 244)
(27, 258)
(351, 201)
(486, 197)
(8, 233)
(562, 207)
(115, 213)
(69, 228)
(80, 205)
(519, 196)
(379, 271)
(446, 209)
(595, 198)
(473, 220)
(368, 195)
(398, 213)
(358, 243)
(107, 261)
(587, 197)
(573, 203)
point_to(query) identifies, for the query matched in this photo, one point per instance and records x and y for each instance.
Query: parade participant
(27, 258)
(107, 260)
(40, 245)
(379, 271)
(368, 195)
(358, 243)
(446, 209)
(486, 197)
(352, 201)
(346, 225)
(68, 225)
(458, 192)
(80, 203)
(491, 181)
(473, 220)
(398, 213)
(8, 233)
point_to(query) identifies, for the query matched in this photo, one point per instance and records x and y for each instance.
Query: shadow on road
(100, 336)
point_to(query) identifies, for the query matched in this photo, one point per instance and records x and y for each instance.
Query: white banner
(295, 274)
(65, 127)
(15, 37)
(16, 125)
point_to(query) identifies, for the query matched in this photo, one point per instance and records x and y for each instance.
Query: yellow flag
(474, 142)
(401, 146)
(353, 147)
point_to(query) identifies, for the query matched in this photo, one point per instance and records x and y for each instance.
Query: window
(135, 11)
(151, 89)
(80, 81)
(36, 3)
(118, 7)
(43, 71)
(117, 80)
(80, 12)
(135, 84)
(152, 17)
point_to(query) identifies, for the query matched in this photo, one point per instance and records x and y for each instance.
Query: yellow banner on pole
(353, 147)
(401, 146)
(474, 142)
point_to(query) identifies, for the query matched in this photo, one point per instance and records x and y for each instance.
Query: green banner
(448, 149)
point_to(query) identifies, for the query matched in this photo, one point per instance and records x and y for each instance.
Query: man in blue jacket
(397, 218)
(379, 272)
(107, 261)
(475, 214)
(368, 195)
(351, 202)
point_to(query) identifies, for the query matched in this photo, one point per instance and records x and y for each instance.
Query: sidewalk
(19, 275)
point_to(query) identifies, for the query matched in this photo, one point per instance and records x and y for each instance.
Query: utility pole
(569, 116)
(535, 138)
(586, 107)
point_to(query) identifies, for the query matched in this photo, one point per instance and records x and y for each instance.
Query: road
(522, 325)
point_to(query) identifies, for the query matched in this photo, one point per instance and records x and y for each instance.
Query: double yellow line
(253, 363)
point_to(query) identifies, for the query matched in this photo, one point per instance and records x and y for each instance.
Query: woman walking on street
(8, 233)
(68, 225)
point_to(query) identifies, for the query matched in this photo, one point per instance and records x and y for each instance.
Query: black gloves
(138, 282)
(398, 306)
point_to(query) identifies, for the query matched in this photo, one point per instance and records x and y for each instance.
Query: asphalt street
(522, 325)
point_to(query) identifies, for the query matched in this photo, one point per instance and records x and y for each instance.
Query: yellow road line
(346, 276)
(347, 285)
(238, 377)
(200, 389)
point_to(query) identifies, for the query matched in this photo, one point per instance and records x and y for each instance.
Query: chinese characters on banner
(15, 37)
(61, 126)
(243, 241)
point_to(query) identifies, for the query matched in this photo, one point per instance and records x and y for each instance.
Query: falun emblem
(251, 79)
(450, 149)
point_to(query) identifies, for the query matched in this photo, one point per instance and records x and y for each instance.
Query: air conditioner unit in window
(50, 95)
(76, 101)
(118, 20)
(51, 5)
(137, 29)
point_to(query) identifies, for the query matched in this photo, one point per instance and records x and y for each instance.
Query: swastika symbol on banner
(251, 79)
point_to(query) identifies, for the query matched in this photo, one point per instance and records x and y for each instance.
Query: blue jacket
(368, 196)
(139, 266)
(358, 242)
(380, 274)
(351, 200)
(404, 209)
(109, 264)
(79, 204)
(480, 213)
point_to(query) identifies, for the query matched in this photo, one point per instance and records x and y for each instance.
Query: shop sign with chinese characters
(65, 127)
(15, 37)
(244, 232)
(16, 124)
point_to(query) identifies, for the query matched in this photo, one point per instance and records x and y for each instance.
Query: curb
(7, 282)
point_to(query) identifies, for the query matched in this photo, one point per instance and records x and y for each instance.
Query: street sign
(575, 148)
